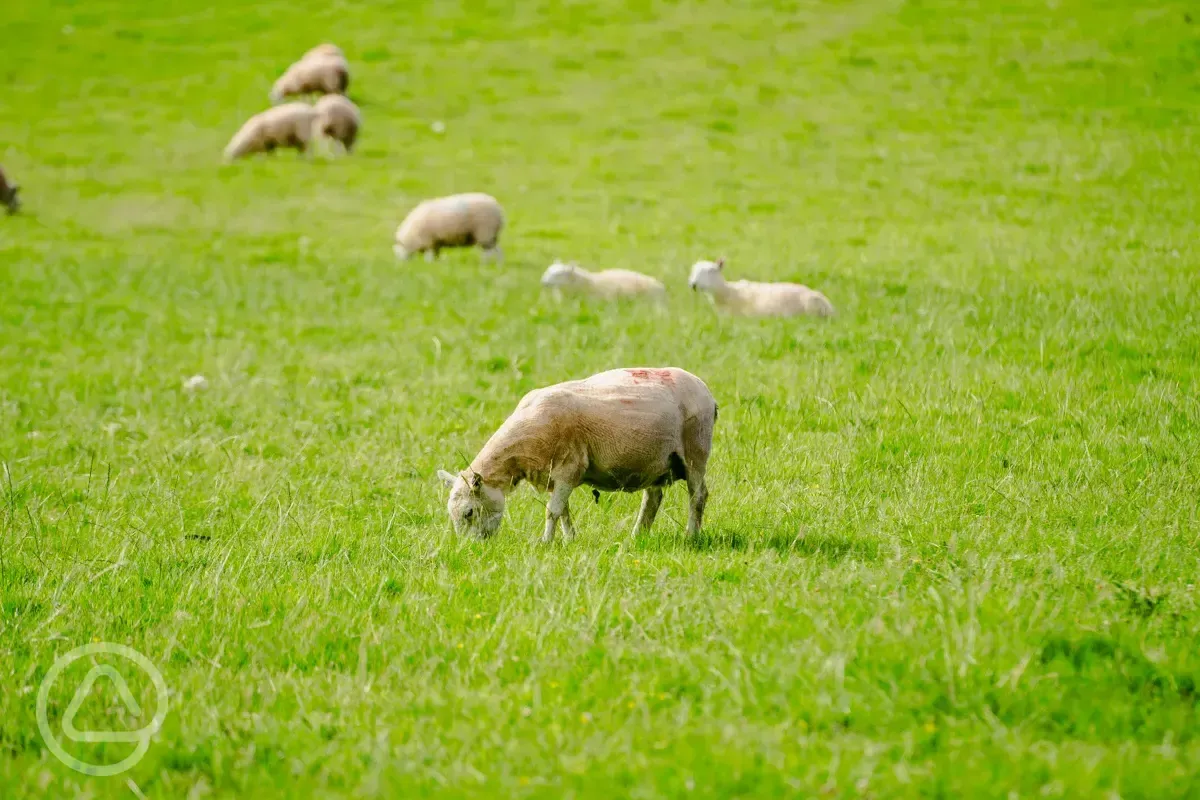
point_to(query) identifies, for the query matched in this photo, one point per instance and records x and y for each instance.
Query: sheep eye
(469, 514)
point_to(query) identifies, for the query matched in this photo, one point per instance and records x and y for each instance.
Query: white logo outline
(141, 736)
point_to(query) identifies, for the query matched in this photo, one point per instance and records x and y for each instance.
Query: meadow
(951, 547)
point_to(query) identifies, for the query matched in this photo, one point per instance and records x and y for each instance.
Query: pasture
(951, 547)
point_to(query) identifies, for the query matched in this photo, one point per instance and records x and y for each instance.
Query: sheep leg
(651, 499)
(430, 254)
(568, 528)
(556, 508)
(698, 491)
(493, 252)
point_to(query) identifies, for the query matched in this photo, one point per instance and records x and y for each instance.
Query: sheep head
(706, 275)
(560, 274)
(475, 508)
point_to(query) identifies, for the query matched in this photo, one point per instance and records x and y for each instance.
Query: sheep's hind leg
(556, 509)
(698, 491)
(568, 527)
(651, 500)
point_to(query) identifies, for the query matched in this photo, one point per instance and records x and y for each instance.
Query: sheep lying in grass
(8, 194)
(459, 220)
(288, 125)
(757, 299)
(338, 119)
(623, 430)
(322, 70)
(609, 284)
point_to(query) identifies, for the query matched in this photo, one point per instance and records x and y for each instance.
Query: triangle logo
(131, 705)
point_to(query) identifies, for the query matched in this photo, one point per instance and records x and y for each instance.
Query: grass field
(952, 541)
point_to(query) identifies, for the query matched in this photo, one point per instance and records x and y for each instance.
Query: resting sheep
(459, 220)
(288, 125)
(623, 430)
(609, 283)
(338, 119)
(322, 70)
(757, 299)
(8, 194)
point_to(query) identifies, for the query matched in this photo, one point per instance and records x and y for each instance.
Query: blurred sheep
(338, 119)
(458, 220)
(288, 125)
(756, 299)
(609, 284)
(322, 70)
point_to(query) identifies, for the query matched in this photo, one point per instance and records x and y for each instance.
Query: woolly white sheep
(623, 430)
(322, 70)
(288, 125)
(338, 119)
(459, 220)
(757, 299)
(609, 283)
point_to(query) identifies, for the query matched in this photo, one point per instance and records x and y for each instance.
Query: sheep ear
(476, 480)
(721, 263)
(447, 478)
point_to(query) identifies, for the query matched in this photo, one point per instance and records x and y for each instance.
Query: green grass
(952, 542)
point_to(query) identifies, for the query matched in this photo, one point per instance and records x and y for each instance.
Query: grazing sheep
(623, 430)
(288, 125)
(338, 119)
(8, 194)
(322, 70)
(609, 283)
(757, 299)
(459, 220)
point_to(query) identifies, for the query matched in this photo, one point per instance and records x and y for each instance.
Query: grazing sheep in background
(757, 299)
(338, 119)
(459, 220)
(288, 125)
(322, 70)
(8, 194)
(624, 430)
(609, 283)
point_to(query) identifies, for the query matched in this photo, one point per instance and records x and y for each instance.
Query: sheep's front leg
(492, 253)
(556, 509)
(698, 491)
(651, 500)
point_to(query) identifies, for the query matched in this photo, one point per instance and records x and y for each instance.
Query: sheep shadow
(828, 546)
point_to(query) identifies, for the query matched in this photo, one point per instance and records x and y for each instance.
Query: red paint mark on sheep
(656, 375)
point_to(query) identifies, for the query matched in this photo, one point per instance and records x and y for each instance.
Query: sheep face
(475, 509)
(706, 275)
(402, 252)
(559, 274)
